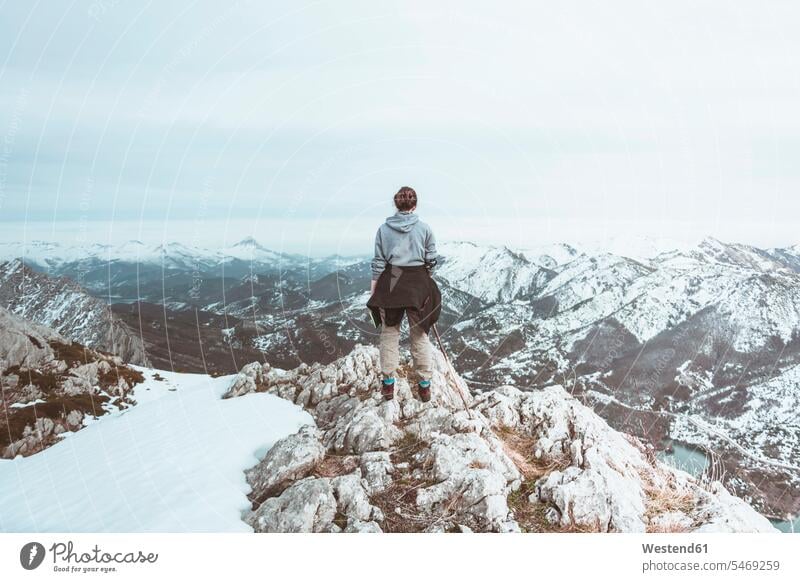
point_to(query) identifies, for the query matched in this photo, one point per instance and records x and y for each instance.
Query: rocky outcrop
(24, 343)
(64, 306)
(288, 460)
(509, 460)
(50, 385)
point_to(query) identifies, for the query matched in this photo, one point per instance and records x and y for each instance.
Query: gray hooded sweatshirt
(403, 240)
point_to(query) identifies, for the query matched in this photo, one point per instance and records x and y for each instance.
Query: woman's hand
(372, 285)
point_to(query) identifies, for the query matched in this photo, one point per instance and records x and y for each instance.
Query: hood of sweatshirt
(402, 221)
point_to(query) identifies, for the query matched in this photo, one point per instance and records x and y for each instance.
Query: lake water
(685, 458)
(694, 462)
(789, 526)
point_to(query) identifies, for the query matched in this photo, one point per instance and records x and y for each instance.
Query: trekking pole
(452, 371)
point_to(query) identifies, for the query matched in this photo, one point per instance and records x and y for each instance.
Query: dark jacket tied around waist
(401, 289)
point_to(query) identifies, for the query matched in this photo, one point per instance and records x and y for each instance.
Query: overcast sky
(295, 122)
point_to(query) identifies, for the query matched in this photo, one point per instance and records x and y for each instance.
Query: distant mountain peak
(248, 241)
(712, 241)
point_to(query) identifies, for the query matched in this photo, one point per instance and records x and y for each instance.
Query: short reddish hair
(405, 199)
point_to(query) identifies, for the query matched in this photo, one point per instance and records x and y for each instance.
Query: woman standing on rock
(405, 255)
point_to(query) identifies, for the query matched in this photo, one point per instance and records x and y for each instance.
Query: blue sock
(388, 381)
(424, 383)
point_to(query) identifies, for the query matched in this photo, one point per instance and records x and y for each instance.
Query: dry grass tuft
(336, 465)
(668, 528)
(531, 515)
(113, 376)
(519, 448)
(398, 501)
(74, 354)
(665, 498)
(714, 471)
(405, 371)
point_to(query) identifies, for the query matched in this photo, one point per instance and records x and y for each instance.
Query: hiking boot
(387, 388)
(424, 387)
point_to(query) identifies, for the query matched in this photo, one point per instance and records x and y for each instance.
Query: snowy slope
(173, 462)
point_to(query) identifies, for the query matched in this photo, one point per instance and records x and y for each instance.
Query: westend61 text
(675, 548)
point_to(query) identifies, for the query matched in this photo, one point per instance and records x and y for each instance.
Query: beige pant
(421, 349)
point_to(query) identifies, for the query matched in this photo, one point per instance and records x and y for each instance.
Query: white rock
(725, 513)
(308, 505)
(74, 419)
(362, 431)
(586, 498)
(472, 477)
(290, 459)
(376, 467)
(249, 378)
(352, 499)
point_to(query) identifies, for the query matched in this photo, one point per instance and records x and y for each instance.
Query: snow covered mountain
(64, 306)
(134, 271)
(239, 453)
(677, 344)
(648, 338)
(510, 277)
(54, 256)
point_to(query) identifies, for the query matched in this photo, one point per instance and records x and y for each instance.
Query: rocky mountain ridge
(504, 460)
(134, 270)
(61, 304)
(512, 461)
(52, 386)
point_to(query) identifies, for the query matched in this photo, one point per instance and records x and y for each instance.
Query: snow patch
(173, 463)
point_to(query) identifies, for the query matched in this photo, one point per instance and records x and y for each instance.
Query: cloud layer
(526, 121)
